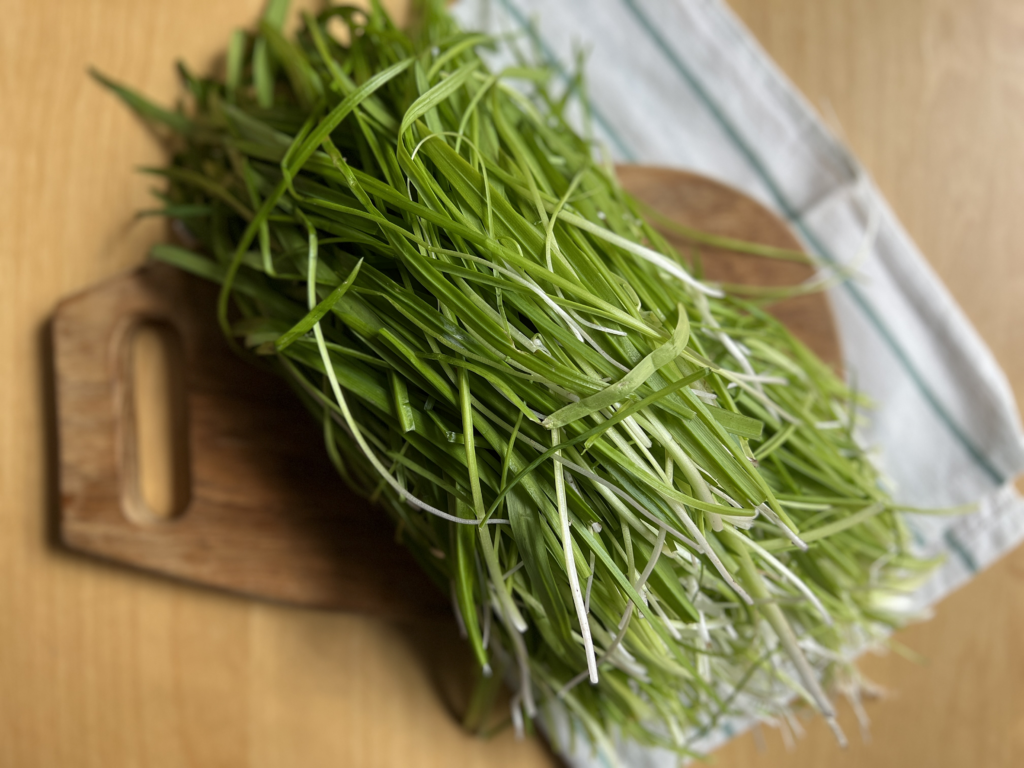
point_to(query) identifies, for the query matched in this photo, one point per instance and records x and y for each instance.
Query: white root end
(525, 683)
(515, 710)
(837, 731)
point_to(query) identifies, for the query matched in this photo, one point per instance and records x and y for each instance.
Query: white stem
(624, 622)
(655, 554)
(523, 663)
(789, 576)
(764, 509)
(570, 561)
(659, 260)
(705, 547)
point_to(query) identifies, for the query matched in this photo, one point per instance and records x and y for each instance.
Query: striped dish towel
(683, 84)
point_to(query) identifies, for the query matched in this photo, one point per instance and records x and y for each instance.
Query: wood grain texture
(266, 514)
(102, 667)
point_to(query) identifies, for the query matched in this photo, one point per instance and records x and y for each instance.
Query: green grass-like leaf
(617, 471)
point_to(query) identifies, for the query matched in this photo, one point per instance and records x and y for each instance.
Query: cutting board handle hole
(156, 477)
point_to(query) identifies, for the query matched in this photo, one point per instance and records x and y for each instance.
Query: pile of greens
(643, 494)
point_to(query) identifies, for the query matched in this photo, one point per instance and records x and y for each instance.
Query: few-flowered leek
(643, 494)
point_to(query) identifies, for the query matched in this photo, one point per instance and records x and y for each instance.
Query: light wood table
(102, 666)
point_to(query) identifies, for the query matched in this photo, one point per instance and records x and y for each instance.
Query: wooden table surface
(102, 666)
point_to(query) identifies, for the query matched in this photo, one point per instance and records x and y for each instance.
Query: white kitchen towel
(681, 83)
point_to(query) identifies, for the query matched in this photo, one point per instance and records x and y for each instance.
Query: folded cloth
(683, 84)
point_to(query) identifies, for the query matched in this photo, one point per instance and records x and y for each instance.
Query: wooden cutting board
(261, 512)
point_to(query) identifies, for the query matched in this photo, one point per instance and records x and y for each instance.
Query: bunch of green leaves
(643, 494)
